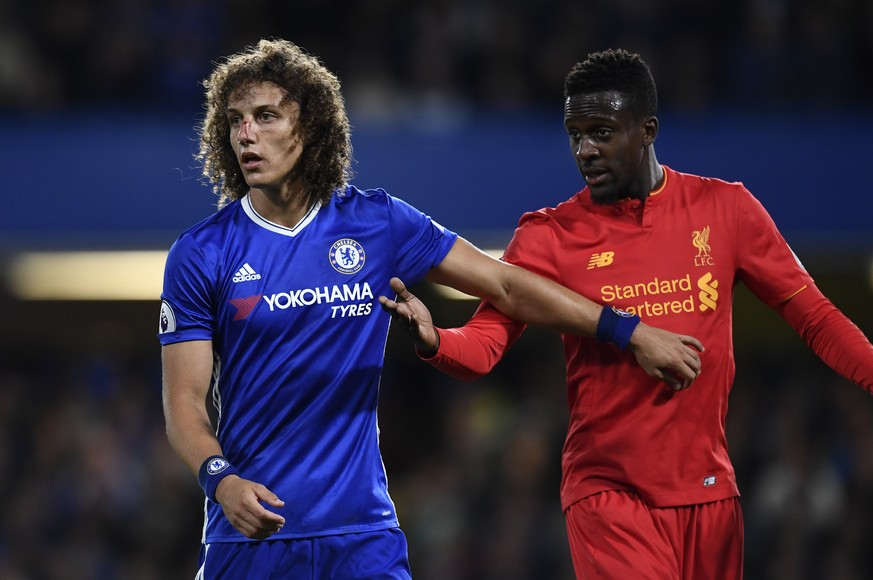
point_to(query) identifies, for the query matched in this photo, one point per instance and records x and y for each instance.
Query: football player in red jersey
(648, 488)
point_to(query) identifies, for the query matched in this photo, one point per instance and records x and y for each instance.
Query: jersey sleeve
(533, 246)
(831, 335)
(186, 309)
(472, 351)
(765, 262)
(420, 242)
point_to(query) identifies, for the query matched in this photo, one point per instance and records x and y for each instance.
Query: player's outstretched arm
(830, 334)
(532, 299)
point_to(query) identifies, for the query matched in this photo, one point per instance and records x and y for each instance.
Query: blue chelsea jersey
(299, 340)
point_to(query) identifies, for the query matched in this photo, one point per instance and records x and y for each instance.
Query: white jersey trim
(276, 228)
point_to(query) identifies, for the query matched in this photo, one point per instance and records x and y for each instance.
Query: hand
(667, 356)
(411, 312)
(241, 501)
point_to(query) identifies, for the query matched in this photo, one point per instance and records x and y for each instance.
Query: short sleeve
(421, 243)
(187, 312)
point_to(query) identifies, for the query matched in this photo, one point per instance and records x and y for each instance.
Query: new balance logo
(246, 273)
(600, 260)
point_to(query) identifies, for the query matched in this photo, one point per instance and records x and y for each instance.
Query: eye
(266, 116)
(234, 120)
(574, 134)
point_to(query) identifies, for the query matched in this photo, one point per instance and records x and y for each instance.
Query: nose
(586, 149)
(244, 136)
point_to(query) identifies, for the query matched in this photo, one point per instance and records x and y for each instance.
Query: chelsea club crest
(347, 256)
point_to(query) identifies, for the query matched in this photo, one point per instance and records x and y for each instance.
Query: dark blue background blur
(456, 105)
(129, 181)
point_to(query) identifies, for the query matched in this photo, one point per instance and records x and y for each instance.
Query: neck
(651, 175)
(285, 208)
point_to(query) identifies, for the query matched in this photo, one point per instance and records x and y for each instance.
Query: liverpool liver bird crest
(700, 239)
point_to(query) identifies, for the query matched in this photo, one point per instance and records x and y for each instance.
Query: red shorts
(614, 534)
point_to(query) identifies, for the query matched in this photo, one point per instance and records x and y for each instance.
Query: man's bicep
(470, 270)
(187, 370)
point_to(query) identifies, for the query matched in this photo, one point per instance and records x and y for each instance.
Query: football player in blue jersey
(270, 308)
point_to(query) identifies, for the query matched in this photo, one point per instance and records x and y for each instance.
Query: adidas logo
(246, 273)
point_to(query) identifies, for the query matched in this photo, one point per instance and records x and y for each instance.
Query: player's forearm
(516, 292)
(831, 335)
(540, 302)
(190, 434)
(472, 351)
(187, 374)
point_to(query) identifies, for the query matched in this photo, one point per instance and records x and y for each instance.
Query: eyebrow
(256, 109)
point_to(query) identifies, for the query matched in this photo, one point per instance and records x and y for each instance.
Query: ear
(650, 130)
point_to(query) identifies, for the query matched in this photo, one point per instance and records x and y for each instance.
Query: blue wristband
(213, 470)
(616, 326)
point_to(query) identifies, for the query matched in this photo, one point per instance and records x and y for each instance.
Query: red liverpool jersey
(673, 260)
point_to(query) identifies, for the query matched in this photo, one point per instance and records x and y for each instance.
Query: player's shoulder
(703, 185)
(209, 232)
(351, 194)
(548, 215)
(358, 201)
(373, 204)
(217, 220)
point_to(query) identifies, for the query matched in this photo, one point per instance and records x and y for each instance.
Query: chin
(604, 196)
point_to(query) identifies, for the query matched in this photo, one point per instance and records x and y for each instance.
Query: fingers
(671, 381)
(688, 368)
(403, 296)
(246, 513)
(694, 365)
(692, 357)
(387, 305)
(399, 310)
(269, 497)
(680, 373)
(258, 526)
(400, 289)
(262, 494)
(675, 383)
(691, 341)
(686, 372)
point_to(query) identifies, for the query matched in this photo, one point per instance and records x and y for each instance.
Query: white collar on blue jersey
(273, 227)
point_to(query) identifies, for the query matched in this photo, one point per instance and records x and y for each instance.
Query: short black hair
(615, 70)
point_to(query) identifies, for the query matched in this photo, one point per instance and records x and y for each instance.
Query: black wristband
(212, 471)
(616, 326)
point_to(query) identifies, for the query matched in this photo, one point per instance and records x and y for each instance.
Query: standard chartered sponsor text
(655, 297)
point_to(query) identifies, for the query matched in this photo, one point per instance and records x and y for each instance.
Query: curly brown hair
(325, 163)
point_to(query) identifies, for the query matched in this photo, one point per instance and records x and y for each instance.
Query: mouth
(594, 175)
(249, 161)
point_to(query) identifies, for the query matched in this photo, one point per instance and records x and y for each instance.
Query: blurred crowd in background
(92, 490)
(90, 487)
(482, 53)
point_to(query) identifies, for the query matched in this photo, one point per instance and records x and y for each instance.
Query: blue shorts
(378, 555)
